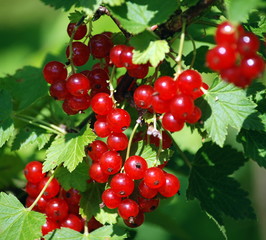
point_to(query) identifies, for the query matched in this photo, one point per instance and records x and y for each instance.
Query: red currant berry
(171, 186)
(143, 96)
(110, 162)
(248, 44)
(80, 55)
(98, 78)
(78, 84)
(166, 87)
(252, 66)
(110, 199)
(181, 106)
(122, 185)
(139, 71)
(117, 141)
(54, 71)
(100, 45)
(171, 124)
(58, 90)
(118, 120)
(97, 174)
(102, 103)
(57, 209)
(52, 190)
(194, 116)
(146, 191)
(154, 177)
(72, 196)
(134, 222)
(135, 167)
(41, 204)
(126, 57)
(226, 33)
(79, 103)
(80, 31)
(67, 109)
(115, 55)
(74, 222)
(159, 105)
(101, 128)
(221, 57)
(148, 205)
(32, 189)
(93, 224)
(128, 208)
(96, 150)
(33, 172)
(49, 226)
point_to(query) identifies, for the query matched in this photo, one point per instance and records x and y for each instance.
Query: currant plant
(109, 114)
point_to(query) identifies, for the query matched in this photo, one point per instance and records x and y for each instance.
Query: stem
(89, 31)
(194, 51)
(180, 50)
(160, 147)
(131, 138)
(86, 229)
(112, 90)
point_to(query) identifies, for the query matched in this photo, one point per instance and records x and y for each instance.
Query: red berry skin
(143, 96)
(248, 44)
(52, 190)
(110, 162)
(135, 221)
(221, 57)
(126, 57)
(167, 140)
(128, 208)
(57, 209)
(110, 199)
(49, 226)
(118, 120)
(181, 106)
(41, 204)
(226, 33)
(29, 201)
(252, 66)
(154, 177)
(189, 81)
(135, 167)
(72, 196)
(81, 53)
(78, 84)
(96, 150)
(115, 55)
(74, 222)
(101, 128)
(97, 174)
(100, 46)
(67, 109)
(166, 87)
(171, 186)
(117, 141)
(32, 189)
(102, 103)
(33, 172)
(93, 224)
(79, 103)
(59, 91)
(54, 71)
(159, 105)
(98, 78)
(171, 124)
(148, 205)
(194, 116)
(122, 185)
(80, 32)
(140, 71)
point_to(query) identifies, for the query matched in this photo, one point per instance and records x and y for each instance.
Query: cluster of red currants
(60, 207)
(235, 56)
(173, 98)
(136, 189)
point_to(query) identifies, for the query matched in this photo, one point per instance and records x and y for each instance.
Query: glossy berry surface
(148, 205)
(110, 199)
(32, 189)
(159, 105)
(33, 172)
(101, 128)
(72, 196)
(54, 71)
(128, 208)
(100, 45)
(194, 116)
(143, 96)
(74, 222)
(115, 55)
(171, 124)
(135, 167)
(78, 84)
(58, 90)
(154, 177)
(49, 226)
(96, 150)
(110, 162)
(117, 141)
(67, 109)
(146, 191)
(57, 209)
(126, 57)
(102, 103)
(97, 174)
(139, 71)
(80, 54)
(118, 120)
(181, 106)
(135, 221)
(79, 103)
(248, 44)
(171, 186)
(226, 33)
(166, 87)
(52, 190)
(122, 185)
(80, 31)
(252, 66)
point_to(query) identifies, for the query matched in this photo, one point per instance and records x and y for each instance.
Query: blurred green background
(29, 31)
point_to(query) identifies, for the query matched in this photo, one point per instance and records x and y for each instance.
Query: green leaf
(229, 107)
(6, 123)
(76, 179)
(209, 182)
(149, 153)
(114, 2)
(90, 6)
(75, 17)
(137, 15)
(254, 143)
(28, 136)
(66, 5)
(233, 7)
(29, 79)
(257, 23)
(91, 199)
(68, 149)
(106, 215)
(17, 223)
(154, 53)
(109, 232)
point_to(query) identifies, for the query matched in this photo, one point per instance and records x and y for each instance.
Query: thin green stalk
(194, 51)
(112, 90)
(131, 138)
(160, 147)
(180, 50)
